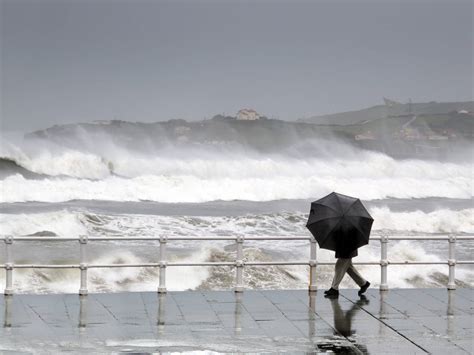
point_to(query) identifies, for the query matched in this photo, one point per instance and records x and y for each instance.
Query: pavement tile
(397, 321)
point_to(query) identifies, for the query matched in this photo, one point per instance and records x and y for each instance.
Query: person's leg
(339, 271)
(354, 274)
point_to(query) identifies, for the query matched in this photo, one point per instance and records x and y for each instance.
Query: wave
(51, 173)
(67, 223)
(9, 167)
(102, 169)
(276, 185)
(101, 150)
(216, 278)
(106, 158)
(62, 224)
(65, 165)
(438, 221)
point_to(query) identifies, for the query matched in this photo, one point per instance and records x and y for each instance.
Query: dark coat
(345, 255)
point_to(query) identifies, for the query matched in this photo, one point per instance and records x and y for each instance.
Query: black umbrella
(340, 223)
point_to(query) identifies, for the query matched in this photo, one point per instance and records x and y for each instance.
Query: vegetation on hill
(399, 136)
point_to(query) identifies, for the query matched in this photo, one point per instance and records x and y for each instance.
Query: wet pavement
(399, 321)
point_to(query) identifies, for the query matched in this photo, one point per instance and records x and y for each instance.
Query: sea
(79, 182)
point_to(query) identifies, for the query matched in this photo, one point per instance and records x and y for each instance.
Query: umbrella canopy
(340, 223)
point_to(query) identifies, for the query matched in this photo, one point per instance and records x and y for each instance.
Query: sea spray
(103, 165)
(223, 277)
(185, 188)
(74, 223)
(67, 223)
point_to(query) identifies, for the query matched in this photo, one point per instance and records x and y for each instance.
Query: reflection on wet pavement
(395, 321)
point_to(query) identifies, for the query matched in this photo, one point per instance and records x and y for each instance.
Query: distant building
(248, 115)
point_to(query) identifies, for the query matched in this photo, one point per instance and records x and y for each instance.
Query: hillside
(390, 109)
(424, 135)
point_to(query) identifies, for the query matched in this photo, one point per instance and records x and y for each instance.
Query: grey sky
(69, 61)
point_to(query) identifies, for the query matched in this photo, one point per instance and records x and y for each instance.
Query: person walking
(344, 265)
(341, 223)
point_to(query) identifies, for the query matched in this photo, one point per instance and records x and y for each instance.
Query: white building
(248, 115)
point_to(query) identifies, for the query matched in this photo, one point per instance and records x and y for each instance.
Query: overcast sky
(79, 60)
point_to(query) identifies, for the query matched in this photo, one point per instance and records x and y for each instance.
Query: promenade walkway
(398, 321)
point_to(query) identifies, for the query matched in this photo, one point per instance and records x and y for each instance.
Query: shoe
(363, 288)
(331, 293)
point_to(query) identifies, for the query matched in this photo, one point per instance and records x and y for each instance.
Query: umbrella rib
(329, 233)
(370, 218)
(362, 205)
(340, 204)
(324, 219)
(317, 203)
(356, 227)
(352, 204)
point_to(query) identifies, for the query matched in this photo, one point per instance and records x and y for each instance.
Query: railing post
(7, 315)
(161, 312)
(383, 263)
(8, 265)
(452, 262)
(162, 285)
(312, 266)
(82, 312)
(83, 265)
(239, 265)
(239, 309)
(312, 315)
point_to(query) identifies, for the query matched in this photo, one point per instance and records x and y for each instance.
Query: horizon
(296, 120)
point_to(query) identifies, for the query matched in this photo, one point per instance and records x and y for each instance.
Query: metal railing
(239, 263)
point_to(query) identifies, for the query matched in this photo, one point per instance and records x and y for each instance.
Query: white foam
(184, 278)
(143, 279)
(187, 188)
(74, 223)
(111, 279)
(399, 276)
(56, 161)
(439, 221)
(63, 223)
(199, 175)
(68, 223)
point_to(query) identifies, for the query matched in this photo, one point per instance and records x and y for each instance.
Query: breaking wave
(107, 171)
(66, 165)
(131, 166)
(201, 180)
(74, 223)
(222, 277)
(10, 167)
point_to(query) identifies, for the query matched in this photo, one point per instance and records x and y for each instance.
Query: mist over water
(52, 183)
(41, 170)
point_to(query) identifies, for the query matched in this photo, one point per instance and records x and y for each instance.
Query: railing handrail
(229, 263)
(432, 237)
(238, 263)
